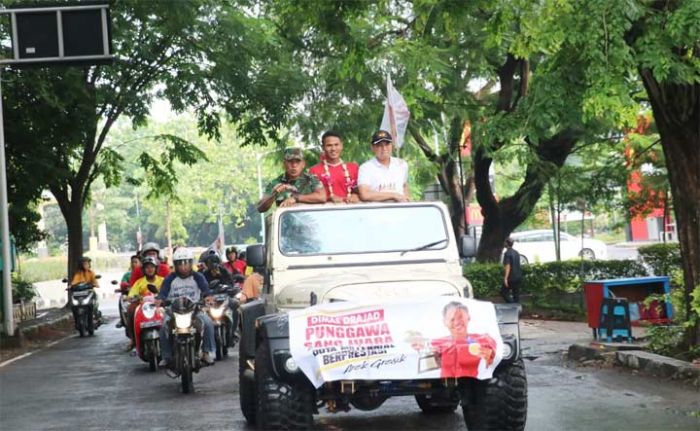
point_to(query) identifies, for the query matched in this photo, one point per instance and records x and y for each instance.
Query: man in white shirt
(383, 178)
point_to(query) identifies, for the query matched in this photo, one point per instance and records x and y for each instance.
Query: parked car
(538, 246)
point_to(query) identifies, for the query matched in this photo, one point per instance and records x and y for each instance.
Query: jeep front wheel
(499, 403)
(280, 405)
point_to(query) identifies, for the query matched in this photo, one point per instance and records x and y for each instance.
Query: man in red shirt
(459, 354)
(339, 178)
(149, 249)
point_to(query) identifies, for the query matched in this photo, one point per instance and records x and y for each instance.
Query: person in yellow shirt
(84, 274)
(140, 289)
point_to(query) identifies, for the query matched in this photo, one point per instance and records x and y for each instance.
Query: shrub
(552, 277)
(484, 277)
(662, 259)
(22, 290)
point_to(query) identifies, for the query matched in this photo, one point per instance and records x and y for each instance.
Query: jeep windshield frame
(361, 229)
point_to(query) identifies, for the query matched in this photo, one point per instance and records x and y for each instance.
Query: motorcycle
(148, 319)
(123, 304)
(222, 315)
(186, 341)
(83, 304)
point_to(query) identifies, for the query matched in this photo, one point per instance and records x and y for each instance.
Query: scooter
(84, 307)
(123, 304)
(148, 318)
(186, 339)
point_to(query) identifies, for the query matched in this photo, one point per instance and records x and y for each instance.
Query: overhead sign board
(66, 34)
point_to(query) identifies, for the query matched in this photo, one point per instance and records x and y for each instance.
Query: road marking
(24, 355)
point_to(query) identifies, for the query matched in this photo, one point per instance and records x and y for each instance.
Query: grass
(35, 270)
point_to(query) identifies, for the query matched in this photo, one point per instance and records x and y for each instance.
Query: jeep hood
(373, 286)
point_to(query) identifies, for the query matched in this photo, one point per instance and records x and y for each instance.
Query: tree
(457, 64)
(667, 38)
(202, 55)
(647, 52)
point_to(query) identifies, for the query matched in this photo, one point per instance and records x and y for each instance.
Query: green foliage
(665, 340)
(22, 289)
(204, 56)
(663, 259)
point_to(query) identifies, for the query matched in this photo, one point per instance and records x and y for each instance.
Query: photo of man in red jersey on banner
(460, 353)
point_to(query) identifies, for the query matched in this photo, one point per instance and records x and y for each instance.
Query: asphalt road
(91, 383)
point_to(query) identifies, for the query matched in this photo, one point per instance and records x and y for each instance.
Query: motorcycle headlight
(148, 310)
(217, 312)
(183, 321)
(75, 301)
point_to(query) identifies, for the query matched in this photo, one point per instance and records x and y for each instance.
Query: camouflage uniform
(305, 184)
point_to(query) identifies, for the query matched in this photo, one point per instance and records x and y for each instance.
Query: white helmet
(183, 253)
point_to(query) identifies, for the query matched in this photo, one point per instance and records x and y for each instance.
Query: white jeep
(357, 253)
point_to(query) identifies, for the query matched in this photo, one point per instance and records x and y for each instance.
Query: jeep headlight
(183, 321)
(507, 350)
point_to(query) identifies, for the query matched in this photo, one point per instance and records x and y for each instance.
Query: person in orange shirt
(84, 274)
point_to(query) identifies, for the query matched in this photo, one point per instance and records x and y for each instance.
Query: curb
(56, 321)
(640, 360)
(659, 366)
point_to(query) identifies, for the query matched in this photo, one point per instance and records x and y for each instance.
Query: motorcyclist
(235, 264)
(84, 274)
(185, 282)
(215, 271)
(139, 290)
(149, 249)
(124, 284)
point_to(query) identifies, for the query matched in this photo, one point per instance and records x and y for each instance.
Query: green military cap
(293, 154)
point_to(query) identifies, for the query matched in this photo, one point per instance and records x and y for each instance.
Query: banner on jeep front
(435, 338)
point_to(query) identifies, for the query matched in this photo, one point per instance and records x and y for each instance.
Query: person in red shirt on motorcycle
(234, 264)
(149, 249)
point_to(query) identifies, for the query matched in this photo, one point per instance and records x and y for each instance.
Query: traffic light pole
(8, 321)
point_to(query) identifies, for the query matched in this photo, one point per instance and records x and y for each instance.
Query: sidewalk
(541, 337)
(50, 325)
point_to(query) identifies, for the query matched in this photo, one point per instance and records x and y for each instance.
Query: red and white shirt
(338, 180)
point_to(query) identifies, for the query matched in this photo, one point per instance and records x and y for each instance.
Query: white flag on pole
(396, 114)
(221, 241)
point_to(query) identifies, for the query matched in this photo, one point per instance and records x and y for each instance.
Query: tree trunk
(676, 110)
(502, 217)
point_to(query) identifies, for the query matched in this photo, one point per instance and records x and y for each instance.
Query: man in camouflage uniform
(294, 186)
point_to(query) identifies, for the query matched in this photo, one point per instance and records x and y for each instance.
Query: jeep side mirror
(255, 255)
(467, 246)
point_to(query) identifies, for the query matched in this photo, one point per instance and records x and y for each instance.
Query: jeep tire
(499, 403)
(246, 382)
(440, 403)
(280, 405)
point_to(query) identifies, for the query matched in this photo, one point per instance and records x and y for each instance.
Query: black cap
(381, 136)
